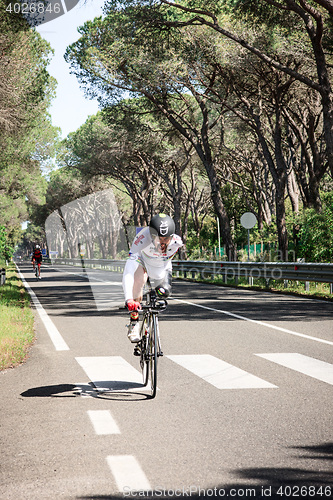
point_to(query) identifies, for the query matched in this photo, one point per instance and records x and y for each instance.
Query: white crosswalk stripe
(312, 367)
(219, 373)
(111, 373)
(103, 422)
(128, 473)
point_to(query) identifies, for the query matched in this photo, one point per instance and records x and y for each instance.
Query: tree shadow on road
(257, 483)
(78, 300)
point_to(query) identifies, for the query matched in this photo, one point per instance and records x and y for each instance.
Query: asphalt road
(243, 410)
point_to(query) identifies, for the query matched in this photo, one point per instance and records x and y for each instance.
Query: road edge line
(52, 330)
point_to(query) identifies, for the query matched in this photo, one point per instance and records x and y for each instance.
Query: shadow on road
(73, 297)
(49, 391)
(117, 390)
(256, 483)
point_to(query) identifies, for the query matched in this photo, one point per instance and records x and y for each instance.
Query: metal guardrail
(293, 271)
(112, 265)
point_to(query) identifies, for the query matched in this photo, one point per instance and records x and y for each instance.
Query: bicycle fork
(158, 340)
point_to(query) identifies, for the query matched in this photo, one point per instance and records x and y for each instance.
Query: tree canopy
(27, 136)
(209, 109)
(257, 102)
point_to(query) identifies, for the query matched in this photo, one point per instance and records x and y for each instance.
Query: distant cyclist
(37, 259)
(150, 255)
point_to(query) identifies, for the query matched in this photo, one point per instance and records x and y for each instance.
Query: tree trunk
(221, 213)
(281, 222)
(293, 192)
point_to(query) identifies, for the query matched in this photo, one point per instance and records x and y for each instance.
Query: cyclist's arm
(141, 241)
(128, 276)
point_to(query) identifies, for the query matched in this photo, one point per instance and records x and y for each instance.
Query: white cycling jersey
(149, 255)
(144, 248)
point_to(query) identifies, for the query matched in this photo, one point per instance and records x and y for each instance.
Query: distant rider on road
(37, 259)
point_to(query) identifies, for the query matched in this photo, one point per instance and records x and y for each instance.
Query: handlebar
(158, 305)
(155, 305)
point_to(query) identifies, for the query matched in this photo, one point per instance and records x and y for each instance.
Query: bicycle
(37, 270)
(149, 346)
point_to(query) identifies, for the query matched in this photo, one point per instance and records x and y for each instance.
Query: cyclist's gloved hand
(162, 292)
(133, 305)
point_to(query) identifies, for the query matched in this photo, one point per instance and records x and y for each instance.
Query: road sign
(248, 220)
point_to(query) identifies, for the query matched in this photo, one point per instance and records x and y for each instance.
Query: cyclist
(37, 259)
(150, 255)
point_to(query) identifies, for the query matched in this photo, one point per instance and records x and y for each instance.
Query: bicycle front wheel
(153, 348)
(144, 348)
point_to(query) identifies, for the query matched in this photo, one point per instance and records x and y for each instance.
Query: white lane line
(219, 373)
(262, 323)
(103, 422)
(312, 367)
(127, 473)
(52, 330)
(111, 373)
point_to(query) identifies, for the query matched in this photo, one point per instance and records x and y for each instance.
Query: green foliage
(27, 137)
(260, 12)
(30, 237)
(194, 91)
(207, 238)
(6, 251)
(316, 232)
(3, 241)
(66, 185)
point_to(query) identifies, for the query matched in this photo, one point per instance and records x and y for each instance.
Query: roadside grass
(16, 321)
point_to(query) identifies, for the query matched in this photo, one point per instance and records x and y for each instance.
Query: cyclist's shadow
(119, 390)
